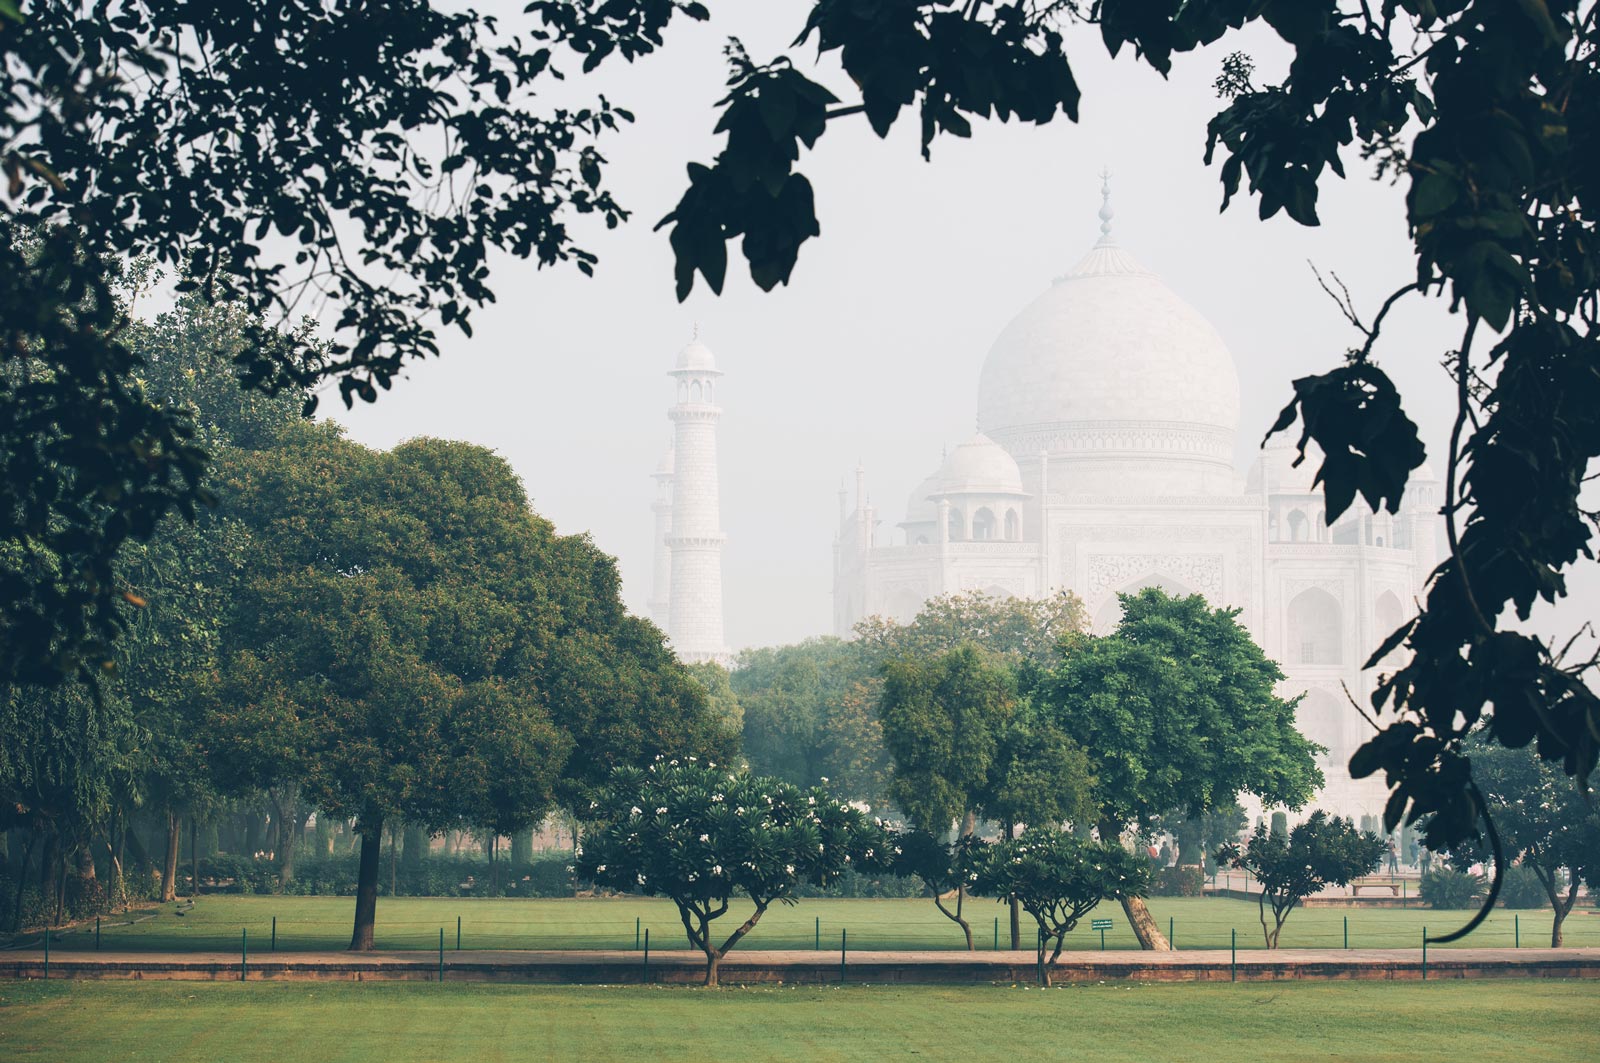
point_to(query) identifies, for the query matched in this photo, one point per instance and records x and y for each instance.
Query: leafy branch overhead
(1487, 112)
(354, 162)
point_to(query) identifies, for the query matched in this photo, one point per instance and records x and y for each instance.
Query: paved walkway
(610, 967)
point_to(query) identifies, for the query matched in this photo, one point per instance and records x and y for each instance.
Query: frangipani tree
(1324, 850)
(700, 835)
(942, 868)
(1059, 878)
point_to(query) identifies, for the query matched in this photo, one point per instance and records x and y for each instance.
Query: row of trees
(705, 837)
(1008, 713)
(384, 637)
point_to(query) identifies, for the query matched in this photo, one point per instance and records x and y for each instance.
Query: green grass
(414, 923)
(1484, 1021)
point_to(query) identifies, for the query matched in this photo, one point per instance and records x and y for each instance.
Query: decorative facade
(687, 596)
(1108, 411)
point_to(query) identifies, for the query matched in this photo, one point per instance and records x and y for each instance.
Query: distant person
(1424, 860)
(1165, 856)
(1394, 862)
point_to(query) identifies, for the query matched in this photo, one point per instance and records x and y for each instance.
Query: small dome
(980, 466)
(1424, 474)
(920, 507)
(1275, 472)
(696, 356)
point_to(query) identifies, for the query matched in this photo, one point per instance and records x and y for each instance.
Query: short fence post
(1347, 931)
(636, 933)
(458, 933)
(842, 952)
(1170, 935)
(816, 944)
(97, 933)
(1516, 925)
(1102, 939)
(997, 933)
(647, 955)
(1039, 956)
(244, 952)
(1233, 955)
(441, 954)
(1424, 954)
(274, 934)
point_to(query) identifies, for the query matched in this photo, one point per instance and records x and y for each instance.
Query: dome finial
(1106, 213)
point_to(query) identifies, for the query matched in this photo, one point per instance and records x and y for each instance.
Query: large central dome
(1110, 372)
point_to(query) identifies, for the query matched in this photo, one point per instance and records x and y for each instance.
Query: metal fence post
(97, 933)
(997, 933)
(1516, 924)
(244, 952)
(1424, 954)
(458, 933)
(816, 944)
(636, 933)
(1347, 931)
(842, 951)
(1170, 935)
(1233, 955)
(647, 954)
(274, 934)
(441, 954)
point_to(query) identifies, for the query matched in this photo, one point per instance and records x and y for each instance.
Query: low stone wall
(620, 968)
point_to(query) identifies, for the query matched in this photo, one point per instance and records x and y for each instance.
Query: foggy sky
(873, 351)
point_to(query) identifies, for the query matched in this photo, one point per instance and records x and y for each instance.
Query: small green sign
(1100, 924)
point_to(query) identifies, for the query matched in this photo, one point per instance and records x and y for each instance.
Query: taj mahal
(1107, 415)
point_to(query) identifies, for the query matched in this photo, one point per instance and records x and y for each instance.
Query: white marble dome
(1109, 365)
(696, 356)
(980, 466)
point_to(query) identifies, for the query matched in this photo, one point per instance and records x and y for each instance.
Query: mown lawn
(1481, 1021)
(414, 923)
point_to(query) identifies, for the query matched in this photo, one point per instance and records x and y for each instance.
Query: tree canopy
(1322, 851)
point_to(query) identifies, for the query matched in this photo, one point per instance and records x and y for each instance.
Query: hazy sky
(873, 351)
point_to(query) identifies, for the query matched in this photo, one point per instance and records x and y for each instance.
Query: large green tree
(1177, 709)
(1486, 111)
(419, 645)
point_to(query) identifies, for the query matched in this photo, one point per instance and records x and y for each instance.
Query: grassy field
(1484, 1021)
(414, 923)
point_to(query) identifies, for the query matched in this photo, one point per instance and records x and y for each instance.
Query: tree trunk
(22, 881)
(1140, 920)
(522, 848)
(194, 857)
(415, 846)
(955, 916)
(169, 867)
(296, 822)
(371, 831)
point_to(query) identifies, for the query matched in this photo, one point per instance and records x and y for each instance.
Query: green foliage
(942, 868)
(1058, 878)
(1177, 709)
(1185, 881)
(1522, 888)
(438, 876)
(403, 140)
(1448, 888)
(1322, 851)
(700, 835)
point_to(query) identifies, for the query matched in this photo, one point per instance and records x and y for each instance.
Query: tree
(387, 149)
(942, 867)
(808, 716)
(1322, 851)
(1484, 110)
(1013, 629)
(1177, 709)
(1543, 822)
(1059, 878)
(420, 647)
(699, 835)
(964, 745)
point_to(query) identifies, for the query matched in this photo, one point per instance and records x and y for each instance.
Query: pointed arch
(1316, 628)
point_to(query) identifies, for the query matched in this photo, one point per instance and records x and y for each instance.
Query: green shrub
(1452, 889)
(1185, 881)
(1522, 889)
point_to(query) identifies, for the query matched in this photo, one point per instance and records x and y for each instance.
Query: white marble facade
(1108, 412)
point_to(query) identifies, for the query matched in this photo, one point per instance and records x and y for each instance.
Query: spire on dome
(1106, 213)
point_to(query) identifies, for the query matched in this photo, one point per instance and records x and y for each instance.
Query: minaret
(694, 615)
(661, 584)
